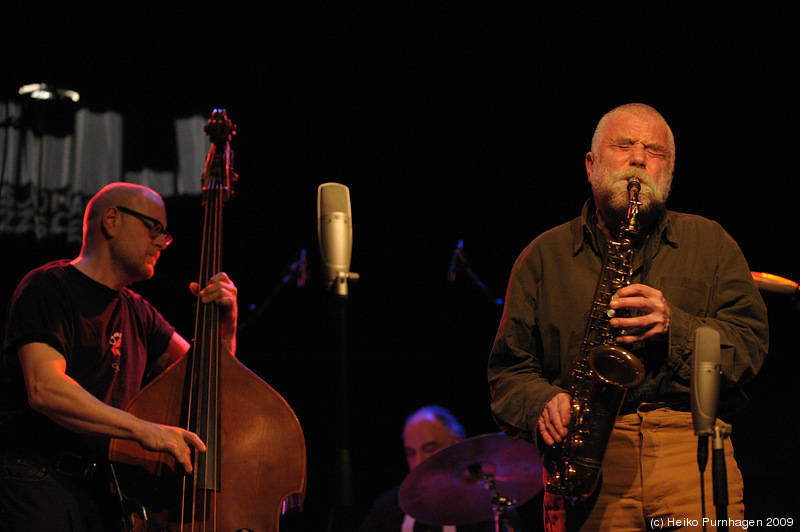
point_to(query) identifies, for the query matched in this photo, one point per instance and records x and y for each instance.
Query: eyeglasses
(156, 228)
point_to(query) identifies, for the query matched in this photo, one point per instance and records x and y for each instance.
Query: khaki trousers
(651, 480)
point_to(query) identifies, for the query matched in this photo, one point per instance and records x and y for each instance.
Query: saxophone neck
(615, 223)
(630, 227)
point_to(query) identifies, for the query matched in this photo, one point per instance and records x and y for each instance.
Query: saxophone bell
(616, 366)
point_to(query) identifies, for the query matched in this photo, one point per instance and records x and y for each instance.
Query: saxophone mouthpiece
(634, 183)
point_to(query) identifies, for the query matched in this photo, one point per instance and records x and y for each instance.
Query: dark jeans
(36, 497)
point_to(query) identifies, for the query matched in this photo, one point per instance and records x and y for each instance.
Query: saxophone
(601, 376)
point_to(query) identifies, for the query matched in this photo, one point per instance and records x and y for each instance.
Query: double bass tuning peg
(219, 127)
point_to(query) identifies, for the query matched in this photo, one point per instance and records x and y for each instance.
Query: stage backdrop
(56, 156)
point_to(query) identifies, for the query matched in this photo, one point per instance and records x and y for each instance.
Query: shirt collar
(585, 231)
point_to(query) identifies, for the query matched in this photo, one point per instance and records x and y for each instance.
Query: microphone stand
(702, 460)
(294, 272)
(459, 263)
(720, 475)
(340, 519)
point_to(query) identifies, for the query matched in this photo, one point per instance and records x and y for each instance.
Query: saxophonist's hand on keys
(651, 320)
(554, 420)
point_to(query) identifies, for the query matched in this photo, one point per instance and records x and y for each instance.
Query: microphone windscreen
(705, 380)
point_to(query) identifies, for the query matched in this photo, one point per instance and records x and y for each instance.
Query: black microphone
(455, 260)
(705, 382)
(302, 275)
(335, 232)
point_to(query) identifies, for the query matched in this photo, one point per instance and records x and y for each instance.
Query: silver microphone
(705, 380)
(335, 233)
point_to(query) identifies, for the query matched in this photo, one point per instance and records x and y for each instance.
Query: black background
(446, 122)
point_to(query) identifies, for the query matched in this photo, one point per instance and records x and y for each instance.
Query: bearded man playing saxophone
(686, 272)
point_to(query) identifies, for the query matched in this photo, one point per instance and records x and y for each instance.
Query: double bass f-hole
(255, 465)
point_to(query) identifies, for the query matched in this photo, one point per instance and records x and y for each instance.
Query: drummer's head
(428, 430)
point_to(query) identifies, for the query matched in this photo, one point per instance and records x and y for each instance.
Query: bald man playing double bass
(78, 345)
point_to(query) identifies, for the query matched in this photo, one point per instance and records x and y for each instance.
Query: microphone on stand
(706, 370)
(296, 271)
(302, 275)
(335, 232)
(455, 260)
(459, 264)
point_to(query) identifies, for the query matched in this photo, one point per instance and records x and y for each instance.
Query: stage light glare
(42, 91)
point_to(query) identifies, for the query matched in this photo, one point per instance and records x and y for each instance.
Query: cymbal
(767, 282)
(448, 487)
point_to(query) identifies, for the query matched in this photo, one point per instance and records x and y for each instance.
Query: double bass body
(260, 455)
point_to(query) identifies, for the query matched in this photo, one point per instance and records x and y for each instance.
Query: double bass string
(205, 378)
(203, 411)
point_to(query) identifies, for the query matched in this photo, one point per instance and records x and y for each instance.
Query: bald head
(640, 110)
(123, 235)
(119, 194)
(134, 196)
(429, 430)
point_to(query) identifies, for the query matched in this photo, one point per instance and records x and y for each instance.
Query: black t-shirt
(108, 338)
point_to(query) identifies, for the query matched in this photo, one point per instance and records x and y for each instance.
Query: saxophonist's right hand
(554, 420)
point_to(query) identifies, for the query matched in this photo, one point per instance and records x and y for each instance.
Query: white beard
(611, 190)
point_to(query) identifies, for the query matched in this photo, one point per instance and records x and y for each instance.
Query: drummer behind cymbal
(426, 431)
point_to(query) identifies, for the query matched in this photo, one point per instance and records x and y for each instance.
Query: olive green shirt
(698, 267)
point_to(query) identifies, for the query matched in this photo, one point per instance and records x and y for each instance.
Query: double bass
(255, 465)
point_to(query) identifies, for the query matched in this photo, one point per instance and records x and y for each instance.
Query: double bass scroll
(255, 465)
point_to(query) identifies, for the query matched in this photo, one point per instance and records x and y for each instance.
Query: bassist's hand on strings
(173, 440)
(222, 292)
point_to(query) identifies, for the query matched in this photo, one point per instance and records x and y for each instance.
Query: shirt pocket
(689, 294)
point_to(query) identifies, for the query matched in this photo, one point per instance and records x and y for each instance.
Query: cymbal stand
(500, 503)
